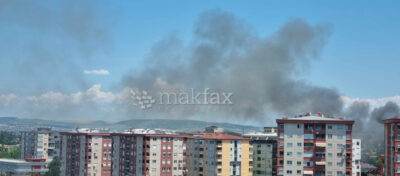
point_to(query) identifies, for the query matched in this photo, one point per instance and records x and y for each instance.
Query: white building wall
(356, 163)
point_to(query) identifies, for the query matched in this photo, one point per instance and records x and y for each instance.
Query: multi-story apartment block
(99, 153)
(314, 145)
(41, 143)
(392, 146)
(356, 163)
(264, 151)
(86, 153)
(164, 154)
(127, 156)
(218, 154)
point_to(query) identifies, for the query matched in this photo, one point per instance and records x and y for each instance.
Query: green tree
(378, 162)
(54, 167)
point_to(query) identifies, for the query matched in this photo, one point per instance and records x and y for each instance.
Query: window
(330, 155)
(281, 144)
(348, 137)
(339, 127)
(289, 171)
(339, 145)
(281, 135)
(299, 163)
(308, 154)
(329, 127)
(339, 136)
(308, 136)
(299, 154)
(329, 145)
(299, 144)
(329, 136)
(290, 135)
(298, 172)
(348, 127)
(282, 126)
(289, 144)
(289, 162)
(329, 163)
(298, 126)
(289, 153)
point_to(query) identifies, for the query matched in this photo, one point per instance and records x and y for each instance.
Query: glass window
(308, 136)
(289, 144)
(339, 127)
(348, 137)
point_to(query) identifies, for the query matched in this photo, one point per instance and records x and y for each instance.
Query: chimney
(319, 114)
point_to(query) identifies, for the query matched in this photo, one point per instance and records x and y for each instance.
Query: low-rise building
(26, 167)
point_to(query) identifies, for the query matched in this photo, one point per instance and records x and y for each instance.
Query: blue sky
(47, 45)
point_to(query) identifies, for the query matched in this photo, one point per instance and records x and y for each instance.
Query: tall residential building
(41, 143)
(100, 153)
(165, 154)
(392, 146)
(86, 153)
(264, 151)
(218, 154)
(356, 157)
(314, 145)
(127, 156)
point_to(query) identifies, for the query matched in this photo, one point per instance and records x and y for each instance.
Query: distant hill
(17, 124)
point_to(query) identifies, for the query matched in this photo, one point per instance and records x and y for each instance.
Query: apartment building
(101, 153)
(219, 154)
(314, 145)
(165, 154)
(127, 154)
(356, 163)
(392, 146)
(86, 153)
(264, 151)
(40, 143)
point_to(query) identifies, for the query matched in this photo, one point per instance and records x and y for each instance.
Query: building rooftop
(315, 118)
(220, 136)
(392, 120)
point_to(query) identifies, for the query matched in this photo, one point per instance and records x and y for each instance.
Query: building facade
(356, 163)
(86, 153)
(218, 154)
(392, 146)
(41, 143)
(97, 153)
(264, 151)
(314, 145)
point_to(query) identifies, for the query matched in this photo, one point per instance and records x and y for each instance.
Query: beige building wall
(226, 149)
(335, 146)
(94, 167)
(246, 169)
(177, 158)
(294, 135)
(155, 153)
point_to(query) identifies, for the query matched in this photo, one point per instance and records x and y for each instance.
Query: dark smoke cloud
(45, 42)
(227, 55)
